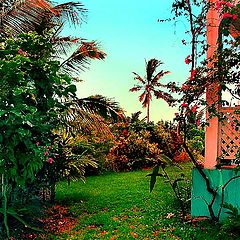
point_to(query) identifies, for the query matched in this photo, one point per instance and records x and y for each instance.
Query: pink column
(212, 92)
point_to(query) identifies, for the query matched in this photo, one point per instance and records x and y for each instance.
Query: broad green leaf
(154, 177)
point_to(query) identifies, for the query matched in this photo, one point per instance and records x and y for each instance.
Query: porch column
(212, 91)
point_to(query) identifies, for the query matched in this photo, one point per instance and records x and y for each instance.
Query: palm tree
(21, 16)
(150, 85)
(74, 54)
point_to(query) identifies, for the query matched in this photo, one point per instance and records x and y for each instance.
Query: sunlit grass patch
(120, 206)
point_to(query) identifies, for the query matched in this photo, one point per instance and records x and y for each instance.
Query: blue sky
(129, 33)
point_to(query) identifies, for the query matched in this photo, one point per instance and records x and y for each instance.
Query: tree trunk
(148, 112)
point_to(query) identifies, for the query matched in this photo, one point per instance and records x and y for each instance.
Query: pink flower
(20, 51)
(218, 5)
(198, 122)
(50, 160)
(184, 104)
(187, 59)
(37, 143)
(46, 153)
(228, 4)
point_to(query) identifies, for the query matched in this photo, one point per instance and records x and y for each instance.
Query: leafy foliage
(232, 223)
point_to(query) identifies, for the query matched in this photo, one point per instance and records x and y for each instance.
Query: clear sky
(129, 33)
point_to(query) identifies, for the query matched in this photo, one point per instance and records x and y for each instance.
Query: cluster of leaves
(168, 140)
(31, 90)
(66, 159)
(180, 184)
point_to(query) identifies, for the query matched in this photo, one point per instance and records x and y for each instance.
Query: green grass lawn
(119, 206)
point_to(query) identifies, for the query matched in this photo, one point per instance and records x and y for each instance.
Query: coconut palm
(150, 85)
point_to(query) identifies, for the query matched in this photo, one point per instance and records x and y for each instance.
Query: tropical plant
(31, 93)
(150, 85)
(180, 184)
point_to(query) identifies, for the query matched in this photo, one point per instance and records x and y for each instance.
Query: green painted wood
(218, 178)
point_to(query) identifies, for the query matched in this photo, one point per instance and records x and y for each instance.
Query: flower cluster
(21, 52)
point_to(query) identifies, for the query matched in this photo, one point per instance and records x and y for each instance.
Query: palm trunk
(148, 112)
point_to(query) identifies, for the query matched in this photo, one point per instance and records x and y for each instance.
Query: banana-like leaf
(154, 175)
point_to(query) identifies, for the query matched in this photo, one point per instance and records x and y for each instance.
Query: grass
(119, 206)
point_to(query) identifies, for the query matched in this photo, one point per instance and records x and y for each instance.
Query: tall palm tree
(150, 85)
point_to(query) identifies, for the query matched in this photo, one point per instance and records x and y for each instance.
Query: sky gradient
(129, 33)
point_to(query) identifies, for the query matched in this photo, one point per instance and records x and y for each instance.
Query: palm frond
(142, 96)
(79, 60)
(78, 120)
(72, 12)
(63, 46)
(135, 88)
(90, 115)
(22, 15)
(165, 96)
(139, 78)
(158, 76)
(105, 107)
(151, 67)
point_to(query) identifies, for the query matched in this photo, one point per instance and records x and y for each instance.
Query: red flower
(20, 51)
(198, 122)
(194, 109)
(229, 15)
(184, 104)
(46, 153)
(184, 87)
(125, 133)
(218, 5)
(187, 59)
(234, 16)
(193, 73)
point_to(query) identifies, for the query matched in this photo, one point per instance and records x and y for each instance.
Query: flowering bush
(133, 150)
